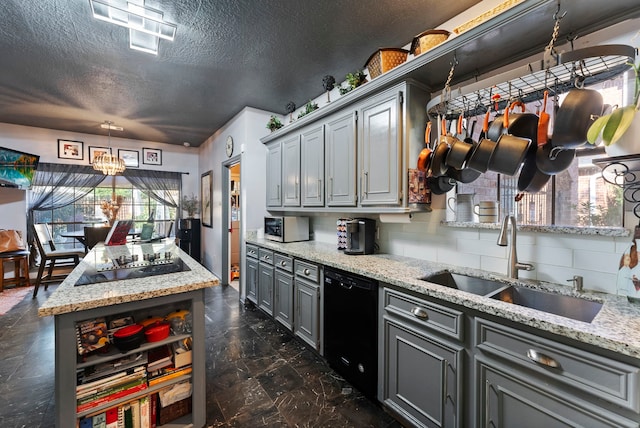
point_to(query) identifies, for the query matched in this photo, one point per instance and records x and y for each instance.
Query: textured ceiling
(63, 69)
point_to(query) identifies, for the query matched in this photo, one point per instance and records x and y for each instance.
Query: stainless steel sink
(470, 284)
(558, 304)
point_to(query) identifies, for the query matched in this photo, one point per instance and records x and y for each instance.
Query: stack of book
(140, 413)
(97, 393)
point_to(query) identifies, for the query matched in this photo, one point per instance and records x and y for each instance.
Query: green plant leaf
(628, 113)
(596, 128)
(611, 126)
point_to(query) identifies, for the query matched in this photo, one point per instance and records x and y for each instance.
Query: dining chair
(49, 255)
(93, 235)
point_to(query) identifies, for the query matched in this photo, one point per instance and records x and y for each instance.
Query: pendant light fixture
(107, 163)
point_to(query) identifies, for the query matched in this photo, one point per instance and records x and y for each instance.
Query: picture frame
(206, 198)
(70, 149)
(131, 158)
(151, 156)
(95, 151)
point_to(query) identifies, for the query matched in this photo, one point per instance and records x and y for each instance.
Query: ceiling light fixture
(146, 25)
(107, 163)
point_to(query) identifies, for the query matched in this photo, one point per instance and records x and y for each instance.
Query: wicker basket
(384, 59)
(486, 16)
(428, 40)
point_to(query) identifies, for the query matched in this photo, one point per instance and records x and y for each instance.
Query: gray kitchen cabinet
(274, 174)
(312, 146)
(421, 372)
(283, 290)
(380, 149)
(251, 282)
(307, 303)
(525, 380)
(509, 399)
(265, 280)
(291, 171)
(340, 163)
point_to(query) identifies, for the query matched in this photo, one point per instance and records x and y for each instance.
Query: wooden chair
(49, 255)
(20, 261)
(93, 235)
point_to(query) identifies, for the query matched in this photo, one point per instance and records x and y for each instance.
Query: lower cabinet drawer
(427, 314)
(307, 270)
(607, 379)
(283, 262)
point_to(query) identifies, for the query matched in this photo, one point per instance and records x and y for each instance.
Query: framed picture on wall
(69, 149)
(130, 157)
(151, 156)
(206, 196)
(94, 152)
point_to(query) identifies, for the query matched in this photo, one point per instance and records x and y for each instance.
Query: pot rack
(576, 68)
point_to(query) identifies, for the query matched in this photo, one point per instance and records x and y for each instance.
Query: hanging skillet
(425, 154)
(553, 160)
(531, 179)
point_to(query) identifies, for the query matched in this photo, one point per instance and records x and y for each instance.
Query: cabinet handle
(366, 183)
(319, 187)
(266, 257)
(331, 188)
(420, 313)
(283, 263)
(307, 272)
(540, 358)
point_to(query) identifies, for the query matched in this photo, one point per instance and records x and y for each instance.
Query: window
(578, 196)
(137, 206)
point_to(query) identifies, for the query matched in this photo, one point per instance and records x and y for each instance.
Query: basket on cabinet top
(427, 40)
(384, 59)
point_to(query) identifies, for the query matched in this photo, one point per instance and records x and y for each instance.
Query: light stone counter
(70, 298)
(615, 328)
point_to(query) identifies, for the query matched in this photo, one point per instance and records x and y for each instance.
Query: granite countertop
(69, 297)
(616, 327)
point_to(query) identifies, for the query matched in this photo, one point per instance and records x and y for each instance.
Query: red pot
(156, 332)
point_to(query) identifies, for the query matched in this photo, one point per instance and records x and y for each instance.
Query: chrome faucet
(514, 265)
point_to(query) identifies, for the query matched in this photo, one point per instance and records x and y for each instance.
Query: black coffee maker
(361, 233)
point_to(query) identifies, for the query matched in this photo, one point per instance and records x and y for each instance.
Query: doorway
(234, 226)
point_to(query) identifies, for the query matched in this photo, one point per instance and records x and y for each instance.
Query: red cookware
(128, 338)
(157, 331)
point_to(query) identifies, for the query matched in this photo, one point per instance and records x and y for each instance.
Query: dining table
(79, 236)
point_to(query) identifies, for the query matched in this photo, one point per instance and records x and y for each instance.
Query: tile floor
(258, 374)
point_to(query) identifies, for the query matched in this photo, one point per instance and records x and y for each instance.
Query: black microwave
(286, 229)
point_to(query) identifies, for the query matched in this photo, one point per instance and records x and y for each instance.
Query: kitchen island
(134, 279)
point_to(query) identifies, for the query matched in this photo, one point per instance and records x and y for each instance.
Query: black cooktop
(130, 262)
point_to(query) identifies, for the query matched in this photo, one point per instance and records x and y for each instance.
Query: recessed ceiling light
(186, 144)
(146, 25)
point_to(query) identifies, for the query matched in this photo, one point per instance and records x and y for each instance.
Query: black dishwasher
(351, 328)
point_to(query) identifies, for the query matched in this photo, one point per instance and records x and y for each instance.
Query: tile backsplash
(556, 257)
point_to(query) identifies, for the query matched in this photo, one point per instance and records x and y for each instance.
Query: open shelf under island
(139, 279)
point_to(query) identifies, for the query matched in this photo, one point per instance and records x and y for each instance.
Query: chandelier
(107, 163)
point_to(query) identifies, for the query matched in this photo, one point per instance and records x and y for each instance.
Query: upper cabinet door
(291, 171)
(340, 150)
(380, 149)
(312, 143)
(274, 174)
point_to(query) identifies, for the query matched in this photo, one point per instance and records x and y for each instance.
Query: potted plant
(353, 80)
(191, 205)
(274, 123)
(308, 108)
(620, 129)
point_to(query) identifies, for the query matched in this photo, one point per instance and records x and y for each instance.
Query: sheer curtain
(162, 186)
(49, 177)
